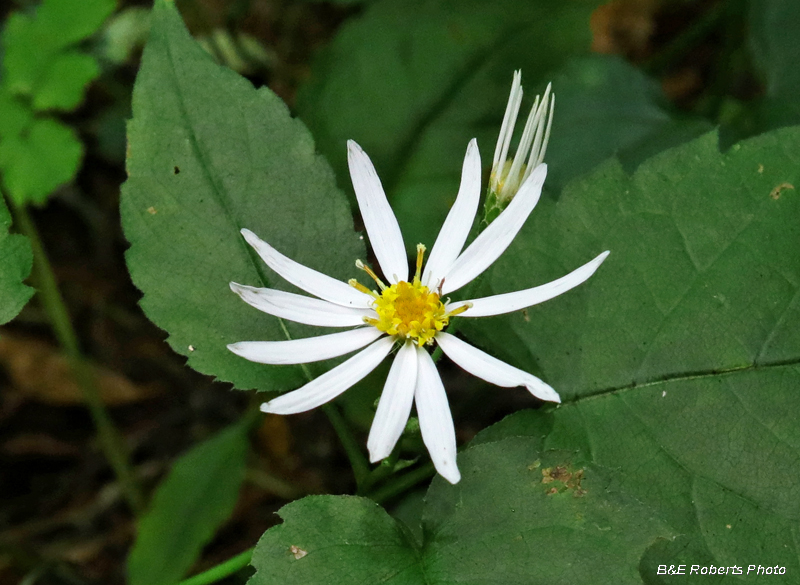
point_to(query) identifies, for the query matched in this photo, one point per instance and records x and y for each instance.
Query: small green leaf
(27, 53)
(196, 497)
(42, 157)
(14, 116)
(38, 61)
(519, 515)
(71, 22)
(62, 87)
(208, 156)
(16, 260)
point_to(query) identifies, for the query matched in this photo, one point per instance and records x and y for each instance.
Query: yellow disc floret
(408, 309)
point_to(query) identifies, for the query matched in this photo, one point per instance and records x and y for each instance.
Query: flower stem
(357, 460)
(222, 570)
(109, 438)
(402, 483)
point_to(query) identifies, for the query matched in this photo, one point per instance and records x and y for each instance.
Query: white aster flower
(403, 312)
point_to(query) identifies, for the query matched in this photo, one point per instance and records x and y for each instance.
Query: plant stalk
(402, 483)
(110, 440)
(222, 570)
(357, 460)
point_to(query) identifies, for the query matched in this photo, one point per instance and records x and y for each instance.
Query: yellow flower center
(411, 311)
(408, 309)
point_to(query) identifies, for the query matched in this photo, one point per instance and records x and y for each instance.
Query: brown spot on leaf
(151, 210)
(760, 168)
(776, 192)
(566, 480)
(297, 552)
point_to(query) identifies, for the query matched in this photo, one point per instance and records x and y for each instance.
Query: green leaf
(342, 2)
(196, 497)
(208, 156)
(27, 53)
(776, 49)
(335, 539)
(604, 107)
(16, 260)
(38, 61)
(43, 156)
(702, 275)
(15, 117)
(518, 516)
(70, 22)
(715, 457)
(62, 87)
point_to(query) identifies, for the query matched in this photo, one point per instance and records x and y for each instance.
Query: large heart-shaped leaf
(208, 156)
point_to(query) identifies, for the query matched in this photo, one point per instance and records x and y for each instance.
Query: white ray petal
(332, 383)
(507, 129)
(513, 301)
(299, 308)
(456, 227)
(379, 220)
(307, 350)
(494, 371)
(395, 404)
(308, 279)
(435, 420)
(493, 241)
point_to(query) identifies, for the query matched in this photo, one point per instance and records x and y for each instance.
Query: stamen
(368, 270)
(420, 255)
(361, 288)
(459, 310)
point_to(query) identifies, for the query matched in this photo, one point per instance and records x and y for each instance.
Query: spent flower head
(409, 314)
(509, 173)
